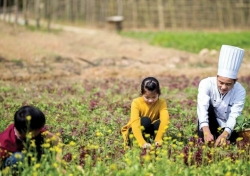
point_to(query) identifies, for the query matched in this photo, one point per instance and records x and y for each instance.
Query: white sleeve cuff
(228, 131)
(202, 125)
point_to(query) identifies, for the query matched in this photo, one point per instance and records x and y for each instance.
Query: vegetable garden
(88, 116)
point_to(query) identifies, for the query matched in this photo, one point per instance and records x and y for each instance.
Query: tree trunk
(16, 13)
(37, 7)
(49, 4)
(25, 12)
(4, 9)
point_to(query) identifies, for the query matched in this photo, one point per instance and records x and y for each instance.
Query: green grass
(192, 41)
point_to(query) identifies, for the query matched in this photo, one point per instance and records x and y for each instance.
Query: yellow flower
(113, 166)
(72, 143)
(33, 159)
(179, 134)
(182, 155)
(239, 139)
(228, 174)
(109, 131)
(147, 157)
(152, 152)
(37, 165)
(29, 135)
(147, 135)
(47, 140)
(45, 133)
(131, 136)
(174, 145)
(128, 161)
(46, 145)
(58, 149)
(191, 143)
(219, 129)
(80, 169)
(180, 143)
(32, 143)
(18, 156)
(142, 128)
(6, 171)
(28, 117)
(98, 134)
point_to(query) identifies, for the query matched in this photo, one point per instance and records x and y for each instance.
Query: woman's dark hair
(151, 84)
(28, 118)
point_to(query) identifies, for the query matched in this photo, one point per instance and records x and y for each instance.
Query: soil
(84, 53)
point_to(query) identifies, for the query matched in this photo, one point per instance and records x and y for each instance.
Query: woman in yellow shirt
(149, 115)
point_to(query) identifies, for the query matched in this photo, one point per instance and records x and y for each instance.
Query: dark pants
(149, 128)
(213, 126)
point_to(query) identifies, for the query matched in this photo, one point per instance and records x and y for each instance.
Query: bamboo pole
(229, 14)
(119, 8)
(241, 11)
(220, 14)
(172, 13)
(160, 14)
(183, 14)
(134, 13)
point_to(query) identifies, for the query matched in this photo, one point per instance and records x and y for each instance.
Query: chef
(221, 99)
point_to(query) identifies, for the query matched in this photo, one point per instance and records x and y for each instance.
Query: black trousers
(213, 126)
(149, 128)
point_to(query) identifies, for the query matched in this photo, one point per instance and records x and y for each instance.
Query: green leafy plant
(242, 123)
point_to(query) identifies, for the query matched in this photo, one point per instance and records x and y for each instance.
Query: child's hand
(146, 145)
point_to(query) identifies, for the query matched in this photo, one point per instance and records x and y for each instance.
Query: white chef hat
(229, 61)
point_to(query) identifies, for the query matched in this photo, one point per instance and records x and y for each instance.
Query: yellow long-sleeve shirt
(139, 108)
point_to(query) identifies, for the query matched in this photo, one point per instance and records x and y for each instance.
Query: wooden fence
(144, 14)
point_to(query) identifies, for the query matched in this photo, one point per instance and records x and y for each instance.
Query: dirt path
(90, 53)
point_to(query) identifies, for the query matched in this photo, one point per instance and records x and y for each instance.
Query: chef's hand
(221, 140)
(208, 137)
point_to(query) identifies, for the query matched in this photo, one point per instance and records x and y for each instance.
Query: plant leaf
(240, 120)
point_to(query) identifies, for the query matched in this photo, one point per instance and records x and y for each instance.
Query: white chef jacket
(226, 107)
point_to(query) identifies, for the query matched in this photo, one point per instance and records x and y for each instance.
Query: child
(148, 112)
(27, 120)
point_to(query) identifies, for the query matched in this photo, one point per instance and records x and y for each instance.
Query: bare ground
(81, 53)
